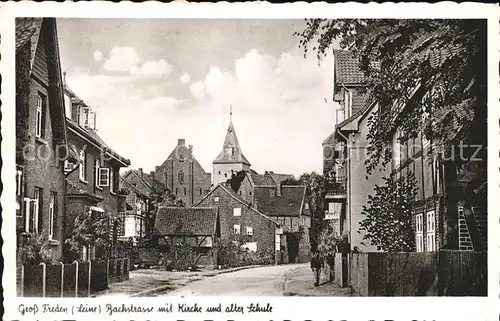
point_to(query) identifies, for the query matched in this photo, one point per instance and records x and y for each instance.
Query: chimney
(157, 168)
(181, 141)
(64, 79)
(266, 172)
(140, 172)
(190, 151)
(152, 174)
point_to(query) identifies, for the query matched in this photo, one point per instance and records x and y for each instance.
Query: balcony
(336, 187)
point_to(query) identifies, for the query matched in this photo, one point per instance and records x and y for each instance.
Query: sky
(153, 81)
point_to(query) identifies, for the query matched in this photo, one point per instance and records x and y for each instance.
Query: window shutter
(103, 176)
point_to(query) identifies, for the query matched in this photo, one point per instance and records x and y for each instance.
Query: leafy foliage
(90, 230)
(315, 192)
(445, 58)
(230, 253)
(236, 179)
(35, 249)
(180, 257)
(388, 216)
(331, 242)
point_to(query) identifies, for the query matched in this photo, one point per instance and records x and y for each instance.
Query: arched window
(181, 177)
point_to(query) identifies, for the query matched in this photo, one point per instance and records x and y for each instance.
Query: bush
(231, 254)
(35, 249)
(179, 257)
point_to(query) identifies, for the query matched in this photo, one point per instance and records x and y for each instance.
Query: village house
(41, 144)
(93, 182)
(140, 188)
(136, 214)
(438, 220)
(183, 175)
(197, 227)
(239, 221)
(286, 204)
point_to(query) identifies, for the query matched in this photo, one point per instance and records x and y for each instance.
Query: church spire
(231, 150)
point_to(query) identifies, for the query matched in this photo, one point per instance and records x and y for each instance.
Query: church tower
(231, 159)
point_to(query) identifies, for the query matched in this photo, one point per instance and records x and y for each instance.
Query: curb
(163, 287)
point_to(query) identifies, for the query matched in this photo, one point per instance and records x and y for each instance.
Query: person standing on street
(316, 265)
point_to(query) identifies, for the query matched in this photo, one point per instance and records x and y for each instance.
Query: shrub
(35, 249)
(232, 254)
(179, 257)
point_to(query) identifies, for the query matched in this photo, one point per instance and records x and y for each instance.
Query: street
(265, 281)
(281, 280)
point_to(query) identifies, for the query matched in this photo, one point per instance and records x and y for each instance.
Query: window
(219, 172)
(176, 191)
(97, 172)
(431, 232)
(103, 177)
(236, 229)
(19, 190)
(201, 191)
(52, 214)
(396, 149)
(68, 166)
(83, 160)
(185, 191)
(111, 180)
(216, 199)
(237, 211)
(40, 116)
(419, 229)
(204, 241)
(225, 175)
(181, 177)
(86, 118)
(37, 207)
(249, 230)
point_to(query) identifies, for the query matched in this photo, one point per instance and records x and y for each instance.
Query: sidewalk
(150, 282)
(300, 282)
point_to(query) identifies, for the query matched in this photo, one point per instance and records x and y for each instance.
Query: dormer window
(86, 118)
(229, 150)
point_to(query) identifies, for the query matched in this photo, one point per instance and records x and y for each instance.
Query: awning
(96, 209)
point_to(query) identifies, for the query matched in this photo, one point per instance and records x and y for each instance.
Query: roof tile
(186, 221)
(288, 204)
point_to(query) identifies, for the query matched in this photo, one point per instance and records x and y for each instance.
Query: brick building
(41, 145)
(183, 175)
(231, 159)
(93, 182)
(239, 220)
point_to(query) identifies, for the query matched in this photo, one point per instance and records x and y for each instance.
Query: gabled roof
(279, 178)
(235, 196)
(290, 203)
(28, 31)
(347, 71)
(130, 186)
(146, 180)
(231, 141)
(258, 179)
(186, 221)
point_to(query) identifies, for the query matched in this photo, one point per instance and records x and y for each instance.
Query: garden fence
(78, 279)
